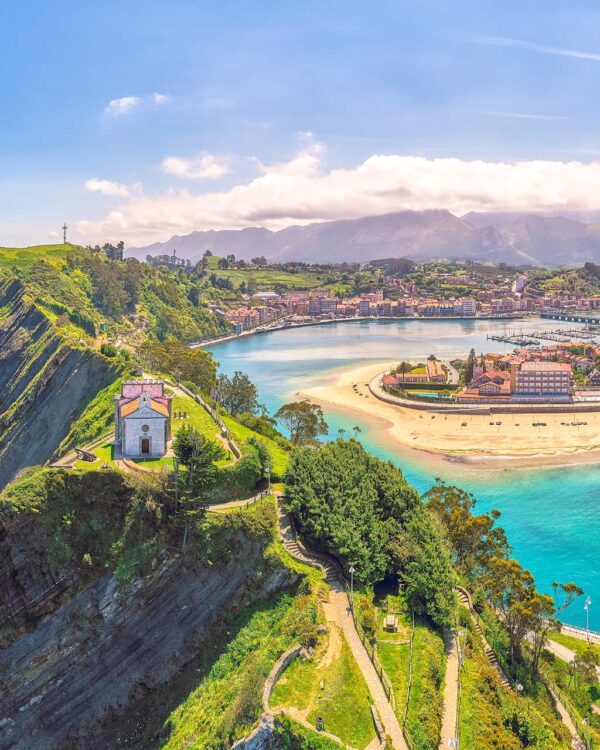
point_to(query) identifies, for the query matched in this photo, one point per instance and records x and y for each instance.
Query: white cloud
(501, 41)
(118, 107)
(302, 190)
(112, 189)
(202, 167)
(127, 104)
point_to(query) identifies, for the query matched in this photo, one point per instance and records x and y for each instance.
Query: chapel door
(145, 446)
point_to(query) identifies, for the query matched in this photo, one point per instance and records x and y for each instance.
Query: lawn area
(105, 454)
(343, 702)
(196, 416)
(429, 664)
(266, 279)
(241, 435)
(575, 644)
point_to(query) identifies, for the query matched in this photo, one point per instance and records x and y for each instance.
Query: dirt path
(338, 612)
(449, 713)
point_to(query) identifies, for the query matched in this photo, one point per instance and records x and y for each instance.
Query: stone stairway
(465, 599)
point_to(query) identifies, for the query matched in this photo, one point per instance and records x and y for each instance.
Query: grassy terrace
(492, 717)
(343, 701)
(426, 695)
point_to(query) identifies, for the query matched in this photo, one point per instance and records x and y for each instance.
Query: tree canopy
(363, 511)
(238, 394)
(303, 420)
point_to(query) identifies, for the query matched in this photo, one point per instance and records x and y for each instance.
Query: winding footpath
(451, 683)
(337, 611)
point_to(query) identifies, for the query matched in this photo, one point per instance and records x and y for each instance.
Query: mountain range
(420, 235)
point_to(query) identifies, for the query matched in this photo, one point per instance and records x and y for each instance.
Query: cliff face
(66, 684)
(44, 383)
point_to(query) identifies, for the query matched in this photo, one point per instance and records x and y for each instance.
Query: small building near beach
(143, 418)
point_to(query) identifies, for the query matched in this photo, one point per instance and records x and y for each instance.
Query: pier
(573, 317)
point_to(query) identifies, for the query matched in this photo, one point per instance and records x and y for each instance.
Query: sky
(139, 120)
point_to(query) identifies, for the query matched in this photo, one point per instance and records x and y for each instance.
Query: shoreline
(354, 319)
(477, 440)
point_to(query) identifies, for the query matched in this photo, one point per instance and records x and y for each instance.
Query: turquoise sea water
(551, 515)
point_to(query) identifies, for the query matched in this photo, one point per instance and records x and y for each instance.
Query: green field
(24, 256)
(334, 691)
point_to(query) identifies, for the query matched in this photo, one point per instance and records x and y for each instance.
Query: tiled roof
(132, 406)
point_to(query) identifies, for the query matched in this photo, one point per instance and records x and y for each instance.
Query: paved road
(564, 653)
(453, 375)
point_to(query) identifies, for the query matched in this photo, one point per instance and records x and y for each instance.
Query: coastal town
(510, 297)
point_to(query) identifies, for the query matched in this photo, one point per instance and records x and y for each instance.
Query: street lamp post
(351, 571)
(586, 606)
(268, 473)
(519, 689)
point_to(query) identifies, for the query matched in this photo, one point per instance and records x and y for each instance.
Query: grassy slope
(344, 701)
(491, 717)
(226, 701)
(578, 696)
(426, 696)
(23, 256)
(241, 434)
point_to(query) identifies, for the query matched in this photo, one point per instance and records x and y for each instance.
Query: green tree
(350, 503)
(177, 359)
(474, 539)
(424, 569)
(403, 368)
(238, 394)
(199, 456)
(470, 366)
(303, 420)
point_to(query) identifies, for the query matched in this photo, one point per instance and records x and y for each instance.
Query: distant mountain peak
(419, 235)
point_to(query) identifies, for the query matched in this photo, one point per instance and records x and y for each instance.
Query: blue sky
(234, 113)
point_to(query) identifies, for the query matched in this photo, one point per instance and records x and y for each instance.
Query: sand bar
(478, 439)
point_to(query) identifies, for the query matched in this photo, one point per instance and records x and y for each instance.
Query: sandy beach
(480, 440)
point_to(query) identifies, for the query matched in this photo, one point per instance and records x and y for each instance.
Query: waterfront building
(541, 379)
(469, 307)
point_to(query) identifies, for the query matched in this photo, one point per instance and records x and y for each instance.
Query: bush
(109, 350)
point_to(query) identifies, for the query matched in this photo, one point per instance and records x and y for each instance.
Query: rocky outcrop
(45, 384)
(61, 685)
(41, 543)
